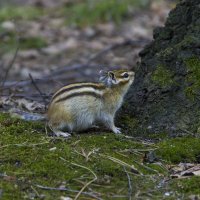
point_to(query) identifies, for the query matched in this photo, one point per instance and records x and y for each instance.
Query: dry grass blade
(85, 154)
(24, 144)
(36, 192)
(146, 167)
(88, 183)
(120, 162)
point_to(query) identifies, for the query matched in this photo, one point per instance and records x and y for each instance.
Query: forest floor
(95, 165)
(60, 42)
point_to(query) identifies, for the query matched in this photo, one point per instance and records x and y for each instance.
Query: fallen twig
(24, 144)
(38, 89)
(119, 196)
(88, 183)
(57, 74)
(67, 189)
(36, 98)
(188, 132)
(138, 151)
(28, 96)
(146, 167)
(129, 184)
(140, 140)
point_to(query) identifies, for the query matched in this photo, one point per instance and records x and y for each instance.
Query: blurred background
(45, 44)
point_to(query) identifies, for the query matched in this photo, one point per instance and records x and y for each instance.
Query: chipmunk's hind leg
(57, 131)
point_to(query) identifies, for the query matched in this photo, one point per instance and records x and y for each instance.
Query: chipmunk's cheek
(108, 82)
(114, 81)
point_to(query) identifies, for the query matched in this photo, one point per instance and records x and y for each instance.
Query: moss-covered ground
(34, 165)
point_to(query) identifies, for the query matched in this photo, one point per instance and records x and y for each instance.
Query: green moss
(162, 76)
(128, 122)
(189, 185)
(23, 12)
(28, 157)
(193, 76)
(180, 150)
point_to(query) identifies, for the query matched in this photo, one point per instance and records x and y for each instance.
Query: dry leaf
(185, 169)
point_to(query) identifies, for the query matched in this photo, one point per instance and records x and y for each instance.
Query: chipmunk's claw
(117, 130)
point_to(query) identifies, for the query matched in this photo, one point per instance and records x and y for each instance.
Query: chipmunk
(79, 106)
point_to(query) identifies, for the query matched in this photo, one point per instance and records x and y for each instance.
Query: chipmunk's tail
(28, 116)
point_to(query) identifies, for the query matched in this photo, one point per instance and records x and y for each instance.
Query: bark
(165, 96)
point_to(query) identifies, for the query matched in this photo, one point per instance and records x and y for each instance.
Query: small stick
(130, 189)
(56, 74)
(88, 183)
(66, 189)
(146, 167)
(23, 145)
(38, 89)
(188, 132)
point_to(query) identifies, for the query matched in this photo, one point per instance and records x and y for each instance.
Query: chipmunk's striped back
(78, 89)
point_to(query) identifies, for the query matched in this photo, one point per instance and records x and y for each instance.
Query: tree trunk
(165, 96)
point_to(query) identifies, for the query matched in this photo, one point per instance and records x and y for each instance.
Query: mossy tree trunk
(165, 96)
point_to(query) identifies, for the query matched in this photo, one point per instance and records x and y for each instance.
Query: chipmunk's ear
(107, 77)
(111, 75)
(103, 76)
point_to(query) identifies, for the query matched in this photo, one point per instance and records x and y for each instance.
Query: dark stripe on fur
(79, 94)
(100, 87)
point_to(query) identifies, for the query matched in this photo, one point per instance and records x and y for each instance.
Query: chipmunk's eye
(126, 75)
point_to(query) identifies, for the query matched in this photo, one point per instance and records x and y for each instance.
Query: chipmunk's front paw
(62, 134)
(117, 130)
